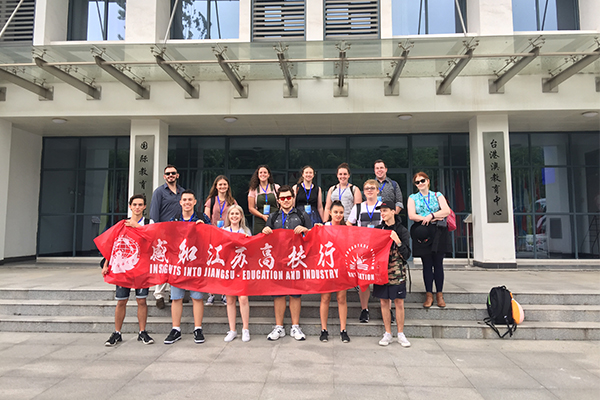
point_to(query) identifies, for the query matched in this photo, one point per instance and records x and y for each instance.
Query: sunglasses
(170, 173)
(420, 181)
(286, 198)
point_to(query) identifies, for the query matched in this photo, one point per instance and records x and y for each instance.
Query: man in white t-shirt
(367, 215)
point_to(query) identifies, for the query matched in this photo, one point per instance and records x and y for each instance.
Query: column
(50, 21)
(146, 21)
(158, 133)
(5, 139)
(489, 17)
(314, 20)
(589, 15)
(245, 21)
(493, 242)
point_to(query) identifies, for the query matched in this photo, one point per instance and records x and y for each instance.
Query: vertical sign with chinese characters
(495, 177)
(144, 167)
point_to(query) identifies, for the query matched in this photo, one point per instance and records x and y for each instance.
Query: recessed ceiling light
(590, 114)
(59, 120)
(405, 117)
(230, 119)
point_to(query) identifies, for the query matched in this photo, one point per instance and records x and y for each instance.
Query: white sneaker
(386, 339)
(245, 335)
(224, 300)
(297, 333)
(276, 333)
(210, 300)
(230, 336)
(403, 340)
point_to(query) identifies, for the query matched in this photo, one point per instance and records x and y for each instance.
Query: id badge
(266, 209)
(370, 226)
(379, 199)
(220, 223)
(308, 208)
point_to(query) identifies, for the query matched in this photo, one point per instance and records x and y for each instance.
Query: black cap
(387, 204)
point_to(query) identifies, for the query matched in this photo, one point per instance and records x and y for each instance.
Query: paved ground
(65, 366)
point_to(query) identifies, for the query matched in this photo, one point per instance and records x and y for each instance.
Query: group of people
(299, 208)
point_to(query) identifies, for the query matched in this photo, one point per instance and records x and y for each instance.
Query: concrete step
(260, 327)
(454, 297)
(310, 309)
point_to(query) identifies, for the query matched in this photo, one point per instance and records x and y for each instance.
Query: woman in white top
(236, 223)
(344, 192)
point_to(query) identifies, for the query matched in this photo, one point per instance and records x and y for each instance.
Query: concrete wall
(23, 194)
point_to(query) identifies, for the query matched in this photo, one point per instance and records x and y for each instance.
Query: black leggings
(433, 269)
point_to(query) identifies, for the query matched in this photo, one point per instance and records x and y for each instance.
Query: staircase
(547, 316)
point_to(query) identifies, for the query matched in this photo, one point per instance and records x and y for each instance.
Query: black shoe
(393, 316)
(174, 336)
(160, 303)
(324, 335)
(344, 336)
(198, 336)
(364, 316)
(113, 339)
(145, 338)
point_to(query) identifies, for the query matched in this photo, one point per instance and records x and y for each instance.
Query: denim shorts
(177, 294)
(123, 293)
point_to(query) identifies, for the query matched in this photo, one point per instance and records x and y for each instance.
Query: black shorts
(390, 292)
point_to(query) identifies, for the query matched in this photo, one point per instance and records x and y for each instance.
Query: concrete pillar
(5, 139)
(50, 21)
(493, 243)
(589, 15)
(160, 131)
(146, 21)
(245, 21)
(23, 195)
(314, 20)
(489, 17)
(385, 22)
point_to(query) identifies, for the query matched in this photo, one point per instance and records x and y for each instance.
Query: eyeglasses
(286, 198)
(370, 188)
(170, 173)
(421, 181)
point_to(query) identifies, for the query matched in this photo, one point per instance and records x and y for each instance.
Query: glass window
(545, 15)
(430, 150)
(522, 192)
(551, 190)
(459, 150)
(424, 17)
(56, 235)
(586, 181)
(206, 19)
(585, 149)
(207, 153)
(588, 241)
(364, 150)
(61, 153)
(519, 149)
(97, 152)
(318, 152)
(549, 149)
(248, 153)
(58, 192)
(96, 20)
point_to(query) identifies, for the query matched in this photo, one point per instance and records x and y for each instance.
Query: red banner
(207, 259)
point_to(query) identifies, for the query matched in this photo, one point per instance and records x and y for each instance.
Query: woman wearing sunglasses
(430, 235)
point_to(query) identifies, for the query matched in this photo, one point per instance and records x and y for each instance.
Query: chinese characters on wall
(495, 176)
(144, 167)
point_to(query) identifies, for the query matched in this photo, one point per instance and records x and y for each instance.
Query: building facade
(497, 101)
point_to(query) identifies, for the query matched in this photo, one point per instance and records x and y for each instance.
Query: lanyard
(191, 218)
(141, 219)
(264, 190)
(309, 191)
(238, 231)
(221, 207)
(382, 186)
(371, 212)
(283, 219)
(426, 201)
(341, 192)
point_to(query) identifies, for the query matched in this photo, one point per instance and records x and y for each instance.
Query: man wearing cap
(395, 289)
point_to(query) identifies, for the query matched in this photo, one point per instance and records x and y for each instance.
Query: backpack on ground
(499, 306)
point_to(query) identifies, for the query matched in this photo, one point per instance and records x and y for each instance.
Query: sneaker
(113, 339)
(160, 303)
(174, 336)
(297, 333)
(364, 316)
(230, 336)
(245, 335)
(344, 336)
(198, 336)
(276, 333)
(393, 316)
(145, 338)
(224, 300)
(403, 340)
(210, 300)
(386, 339)
(324, 335)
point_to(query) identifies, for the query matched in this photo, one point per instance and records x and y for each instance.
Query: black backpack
(499, 308)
